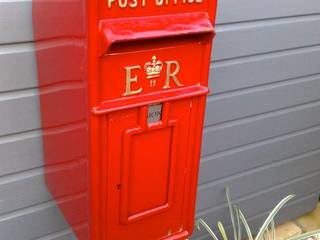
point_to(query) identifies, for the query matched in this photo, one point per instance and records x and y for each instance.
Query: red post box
(123, 87)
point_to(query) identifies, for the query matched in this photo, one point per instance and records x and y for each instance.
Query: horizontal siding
(262, 135)
(22, 190)
(20, 152)
(63, 235)
(217, 166)
(284, 94)
(21, 109)
(28, 188)
(23, 56)
(15, 21)
(230, 11)
(258, 70)
(259, 178)
(261, 201)
(17, 62)
(19, 112)
(23, 151)
(244, 39)
(32, 223)
(36, 221)
(258, 128)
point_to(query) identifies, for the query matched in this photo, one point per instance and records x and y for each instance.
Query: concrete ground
(306, 223)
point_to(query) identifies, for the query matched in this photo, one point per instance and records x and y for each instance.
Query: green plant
(239, 222)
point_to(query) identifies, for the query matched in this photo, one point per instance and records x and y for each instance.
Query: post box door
(148, 169)
(150, 138)
(153, 86)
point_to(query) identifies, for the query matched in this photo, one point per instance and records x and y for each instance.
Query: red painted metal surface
(103, 66)
(158, 27)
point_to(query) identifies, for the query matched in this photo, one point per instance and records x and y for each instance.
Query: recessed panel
(148, 163)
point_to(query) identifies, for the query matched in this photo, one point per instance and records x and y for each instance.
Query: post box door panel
(151, 116)
(147, 168)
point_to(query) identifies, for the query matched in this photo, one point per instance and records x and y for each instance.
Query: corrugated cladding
(262, 134)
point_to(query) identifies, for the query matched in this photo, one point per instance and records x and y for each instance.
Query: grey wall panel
(227, 163)
(245, 39)
(19, 111)
(28, 188)
(17, 66)
(36, 221)
(23, 151)
(63, 235)
(261, 201)
(32, 223)
(253, 71)
(244, 103)
(20, 152)
(69, 236)
(258, 179)
(230, 11)
(238, 133)
(15, 21)
(22, 190)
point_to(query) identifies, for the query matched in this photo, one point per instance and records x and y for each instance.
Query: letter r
(172, 75)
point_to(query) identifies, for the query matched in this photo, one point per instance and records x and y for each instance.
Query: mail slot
(129, 168)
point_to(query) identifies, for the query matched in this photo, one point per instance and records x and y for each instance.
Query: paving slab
(287, 230)
(311, 221)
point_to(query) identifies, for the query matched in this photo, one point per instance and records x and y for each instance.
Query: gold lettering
(159, 2)
(130, 80)
(134, 3)
(172, 75)
(110, 3)
(153, 83)
(123, 3)
(143, 3)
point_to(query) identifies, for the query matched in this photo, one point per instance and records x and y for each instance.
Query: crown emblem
(153, 68)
